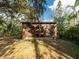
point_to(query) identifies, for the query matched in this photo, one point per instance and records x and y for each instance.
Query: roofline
(38, 22)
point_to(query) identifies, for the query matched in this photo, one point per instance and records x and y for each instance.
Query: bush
(72, 34)
(10, 28)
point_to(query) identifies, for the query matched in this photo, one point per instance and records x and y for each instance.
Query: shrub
(72, 33)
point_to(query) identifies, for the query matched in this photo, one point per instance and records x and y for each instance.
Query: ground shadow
(5, 46)
(37, 51)
(55, 47)
(63, 48)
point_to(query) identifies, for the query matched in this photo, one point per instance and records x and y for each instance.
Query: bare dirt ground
(38, 49)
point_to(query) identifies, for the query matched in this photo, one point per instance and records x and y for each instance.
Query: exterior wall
(39, 30)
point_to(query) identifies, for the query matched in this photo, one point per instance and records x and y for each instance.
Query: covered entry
(39, 30)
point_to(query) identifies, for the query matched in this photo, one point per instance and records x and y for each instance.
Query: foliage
(10, 27)
(59, 19)
(72, 34)
(65, 31)
(2, 23)
(77, 3)
(31, 8)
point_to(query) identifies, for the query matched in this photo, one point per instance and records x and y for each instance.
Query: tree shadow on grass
(57, 49)
(63, 48)
(5, 46)
(37, 51)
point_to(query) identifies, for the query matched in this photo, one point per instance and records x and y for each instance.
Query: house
(39, 30)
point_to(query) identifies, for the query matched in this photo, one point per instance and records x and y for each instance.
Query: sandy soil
(37, 49)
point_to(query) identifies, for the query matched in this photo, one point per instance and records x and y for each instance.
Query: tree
(77, 3)
(32, 8)
(73, 15)
(59, 19)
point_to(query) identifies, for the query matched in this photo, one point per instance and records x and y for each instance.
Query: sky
(64, 3)
(51, 5)
(47, 14)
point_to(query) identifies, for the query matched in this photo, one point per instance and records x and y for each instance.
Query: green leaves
(31, 8)
(2, 21)
(77, 3)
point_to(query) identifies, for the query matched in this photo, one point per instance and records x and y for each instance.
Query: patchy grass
(38, 49)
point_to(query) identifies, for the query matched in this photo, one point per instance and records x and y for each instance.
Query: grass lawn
(38, 49)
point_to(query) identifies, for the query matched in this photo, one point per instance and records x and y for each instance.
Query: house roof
(38, 22)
